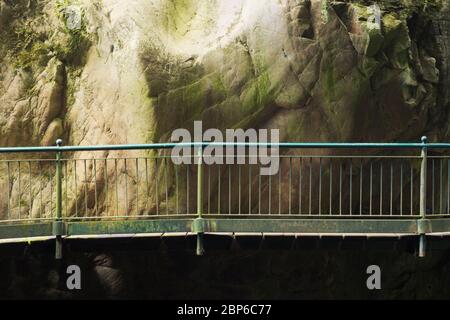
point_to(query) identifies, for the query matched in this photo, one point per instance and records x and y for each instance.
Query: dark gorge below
(244, 267)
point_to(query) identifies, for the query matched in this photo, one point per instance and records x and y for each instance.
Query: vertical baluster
(176, 189)
(300, 181)
(95, 187)
(250, 189)
(137, 186)
(340, 187)
(448, 186)
(157, 186)
(229, 189)
(41, 211)
(440, 186)
(371, 188)
(392, 191)
(432, 187)
(116, 186)
(259, 192)
(239, 188)
(76, 187)
(106, 187)
(310, 185)
(360, 187)
(401, 189)
(412, 189)
(381, 187)
(30, 191)
(147, 185)
(219, 174)
(20, 193)
(66, 178)
(209, 189)
(290, 185)
(351, 187)
(279, 190)
(331, 187)
(166, 182)
(320, 186)
(9, 190)
(270, 194)
(52, 175)
(187, 189)
(85, 188)
(126, 186)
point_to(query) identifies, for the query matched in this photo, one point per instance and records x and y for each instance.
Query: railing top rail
(281, 145)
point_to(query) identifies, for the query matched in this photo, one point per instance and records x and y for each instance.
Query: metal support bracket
(424, 226)
(58, 230)
(199, 227)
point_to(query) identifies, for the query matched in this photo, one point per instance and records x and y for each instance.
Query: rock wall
(132, 73)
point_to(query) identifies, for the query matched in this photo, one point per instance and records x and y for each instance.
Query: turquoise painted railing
(352, 188)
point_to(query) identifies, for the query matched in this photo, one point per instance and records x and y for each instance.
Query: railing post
(423, 199)
(199, 222)
(58, 227)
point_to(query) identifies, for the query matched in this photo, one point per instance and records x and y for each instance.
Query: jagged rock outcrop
(35, 118)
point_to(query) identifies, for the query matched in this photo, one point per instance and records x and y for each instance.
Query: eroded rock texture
(134, 71)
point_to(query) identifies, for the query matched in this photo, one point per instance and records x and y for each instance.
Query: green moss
(73, 76)
(165, 72)
(369, 66)
(201, 94)
(29, 48)
(329, 82)
(37, 55)
(404, 8)
(78, 41)
(324, 12)
(257, 94)
(179, 13)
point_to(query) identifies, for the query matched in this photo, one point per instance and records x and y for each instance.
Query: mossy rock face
(38, 32)
(385, 48)
(316, 70)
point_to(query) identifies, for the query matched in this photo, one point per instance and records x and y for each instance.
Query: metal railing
(366, 182)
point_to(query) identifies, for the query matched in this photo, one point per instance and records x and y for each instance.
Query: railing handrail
(281, 145)
(199, 225)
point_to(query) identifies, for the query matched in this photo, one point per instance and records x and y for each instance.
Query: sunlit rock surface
(134, 71)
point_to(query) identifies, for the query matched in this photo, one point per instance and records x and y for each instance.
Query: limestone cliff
(135, 70)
